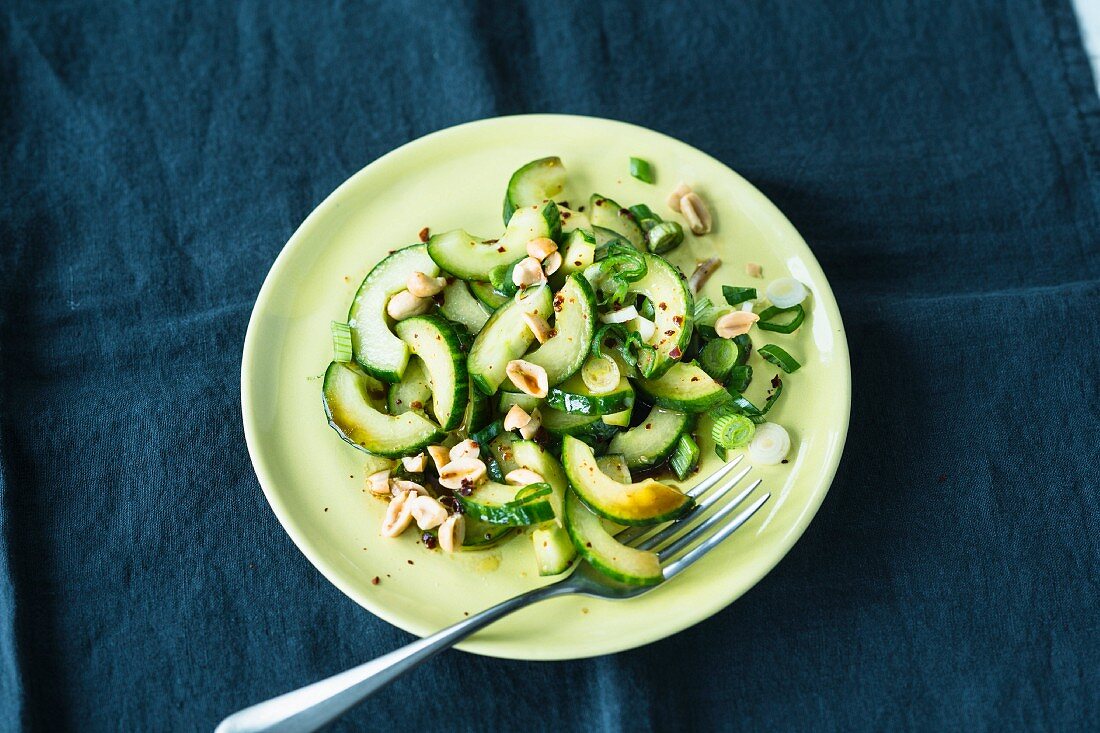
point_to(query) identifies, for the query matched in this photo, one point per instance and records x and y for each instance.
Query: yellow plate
(456, 178)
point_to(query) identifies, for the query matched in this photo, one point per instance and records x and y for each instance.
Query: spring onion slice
(742, 404)
(341, 342)
(744, 348)
(703, 308)
(786, 292)
(645, 310)
(766, 322)
(642, 170)
(664, 237)
(739, 378)
(685, 457)
(770, 445)
(737, 296)
(778, 356)
(645, 217)
(530, 492)
(731, 430)
(718, 357)
(600, 374)
(645, 328)
(622, 315)
(634, 351)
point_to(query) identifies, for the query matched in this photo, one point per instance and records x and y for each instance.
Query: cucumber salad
(553, 382)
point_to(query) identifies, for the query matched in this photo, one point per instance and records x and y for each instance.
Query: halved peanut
(540, 247)
(398, 515)
(538, 325)
(408, 487)
(516, 418)
(427, 512)
(423, 286)
(379, 483)
(529, 430)
(528, 272)
(452, 532)
(466, 449)
(529, 378)
(415, 464)
(735, 324)
(440, 456)
(673, 200)
(523, 477)
(552, 262)
(405, 305)
(696, 213)
(468, 471)
(752, 269)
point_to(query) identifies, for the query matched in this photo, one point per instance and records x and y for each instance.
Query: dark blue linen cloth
(940, 157)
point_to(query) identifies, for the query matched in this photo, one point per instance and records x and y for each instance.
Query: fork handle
(310, 707)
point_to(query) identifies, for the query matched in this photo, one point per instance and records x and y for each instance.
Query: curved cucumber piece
(495, 503)
(641, 503)
(478, 413)
(461, 306)
(652, 440)
(466, 256)
(500, 448)
(603, 552)
(349, 396)
(606, 214)
(435, 341)
(619, 419)
(672, 309)
(505, 337)
(533, 183)
(564, 353)
(585, 427)
(554, 551)
(573, 220)
(684, 387)
(526, 401)
(488, 297)
(378, 351)
(412, 392)
(614, 465)
(574, 396)
(482, 535)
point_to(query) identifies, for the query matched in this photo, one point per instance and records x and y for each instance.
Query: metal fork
(309, 708)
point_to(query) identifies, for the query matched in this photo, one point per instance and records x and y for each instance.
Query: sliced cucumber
(650, 442)
(578, 251)
(605, 213)
(641, 503)
(478, 413)
(537, 220)
(435, 340)
(482, 535)
(374, 464)
(500, 448)
(614, 465)
(350, 396)
(619, 419)
(574, 324)
(526, 401)
(574, 396)
(378, 351)
(554, 550)
(488, 297)
(462, 307)
(573, 220)
(684, 387)
(585, 427)
(466, 256)
(412, 392)
(535, 182)
(532, 456)
(505, 337)
(612, 558)
(495, 503)
(665, 287)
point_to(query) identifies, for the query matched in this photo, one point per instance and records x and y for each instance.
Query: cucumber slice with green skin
(488, 297)
(526, 401)
(435, 340)
(619, 419)
(605, 213)
(482, 535)
(373, 464)
(642, 503)
(533, 183)
(350, 396)
(573, 220)
(685, 388)
(472, 258)
(673, 307)
(505, 337)
(614, 465)
(460, 306)
(586, 427)
(603, 552)
(495, 503)
(412, 392)
(574, 323)
(574, 396)
(651, 442)
(578, 251)
(500, 448)
(478, 413)
(382, 354)
(554, 551)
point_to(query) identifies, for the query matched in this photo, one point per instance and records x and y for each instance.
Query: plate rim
(313, 555)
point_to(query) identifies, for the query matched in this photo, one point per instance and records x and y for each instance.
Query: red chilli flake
(500, 249)
(675, 353)
(425, 234)
(677, 319)
(375, 580)
(429, 540)
(775, 381)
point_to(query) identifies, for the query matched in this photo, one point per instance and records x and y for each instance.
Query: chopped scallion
(739, 379)
(778, 356)
(717, 358)
(732, 430)
(642, 170)
(767, 322)
(341, 342)
(685, 457)
(664, 237)
(737, 296)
